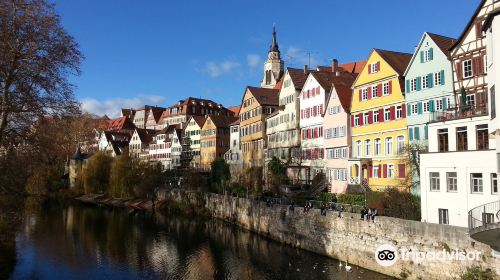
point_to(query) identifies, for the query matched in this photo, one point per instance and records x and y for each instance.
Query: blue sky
(158, 52)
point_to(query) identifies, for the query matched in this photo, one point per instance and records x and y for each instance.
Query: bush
(354, 199)
(399, 204)
(96, 173)
(252, 177)
(43, 180)
(276, 170)
(219, 175)
(123, 176)
(478, 273)
(149, 177)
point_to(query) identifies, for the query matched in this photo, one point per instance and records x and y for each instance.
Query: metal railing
(459, 113)
(484, 215)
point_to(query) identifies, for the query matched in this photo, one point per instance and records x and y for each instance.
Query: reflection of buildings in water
(164, 255)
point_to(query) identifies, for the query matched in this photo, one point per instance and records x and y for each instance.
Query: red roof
(200, 120)
(353, 67)
(298, 77)
(397, 60)
(443, 42)
(235, 109)
(265, 96)
(118, 124)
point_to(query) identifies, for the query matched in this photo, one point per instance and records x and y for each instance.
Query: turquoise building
(429, 88)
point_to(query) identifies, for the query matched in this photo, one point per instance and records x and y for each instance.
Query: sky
(159, 52)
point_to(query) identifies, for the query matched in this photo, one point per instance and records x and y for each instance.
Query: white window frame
(471, 99)
(374, 92)
(376, 116)
(438, 104)
(467, 68)
(366, 117)
(444, 216)
(373, 67)
(494, 183)
(400, 144)
(451, 181)
(356, 120)
(390, 171)
(476, 183)
(413, 85)
(385, 89)
(388, 146)
(387, 114)
(437, 78)
(377, 147)
(375, 171)
(434, 181)
(427, 55)
(425, 82)
(364, 94)
(399, 112)
(368, 147)
(359, 149)
(426, 106)
(414, 109)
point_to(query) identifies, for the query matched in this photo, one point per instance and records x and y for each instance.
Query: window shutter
(381, 115)
(301, 114)
(360, 94)
(352, 121)
(379, 171)
(426, 132)
(385, 170)
(313, 92)
(417, 133)
(360, 115)
(430, 80)
(314, 111)
(377, 65)
(321, 109)
(390, 87)
(407, 86)
(370, 171)
(379, 90)
(475, 66)
(392, 113)
(445, 106)
(431, 105)
(369, 93)
(458, 70)
(478, 30)
(318, 90)
(369, 68)
(370, 117)
(419, 108)
(421, 56)
(480, 65)
(401, 171)
(431, 54)
(410, 132)
(403, 110)
(442, 77)
(419, 83)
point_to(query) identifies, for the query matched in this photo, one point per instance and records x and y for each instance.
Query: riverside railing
(484, 215)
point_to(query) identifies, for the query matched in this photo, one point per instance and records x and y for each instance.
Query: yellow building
(378, 121)
(257, 105)
(214, 138)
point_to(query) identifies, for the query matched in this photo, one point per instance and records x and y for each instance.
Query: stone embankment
(100, 199)
(348, 238)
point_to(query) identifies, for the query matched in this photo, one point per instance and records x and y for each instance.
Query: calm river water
(83, 242)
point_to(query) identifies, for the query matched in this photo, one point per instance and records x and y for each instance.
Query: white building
(139, 142)
(233, 155)
(192, 134)
(459, 171)
(159, 148)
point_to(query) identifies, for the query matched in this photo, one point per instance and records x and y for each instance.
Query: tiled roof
(443, 42)
(200, 120)
(128, 112)
(325, 79)
(298, 77)
(157, 112)
(235, 109)
(236, 122)
(145, 135)
(344, 93)
(222, 121)
(397, 60)
(118, 124)
(265, 96)
(353, 67)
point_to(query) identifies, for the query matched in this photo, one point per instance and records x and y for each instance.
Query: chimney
(306, 69)
(335, 65)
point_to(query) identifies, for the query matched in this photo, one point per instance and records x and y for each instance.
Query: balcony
(456, 113)
(484, 224)
(357, 177)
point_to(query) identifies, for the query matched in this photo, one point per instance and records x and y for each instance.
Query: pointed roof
(222, 121)
(326, 79)
(157, 112)
(397, 60)
(298, 77)
(274, 44)
(265, 96)
(118, 124)
(145, 135)
(353, 67)
(443, 42)
(489, 19)
(200, 120)
(235, 109)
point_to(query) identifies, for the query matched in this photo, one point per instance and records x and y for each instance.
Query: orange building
(214, 138)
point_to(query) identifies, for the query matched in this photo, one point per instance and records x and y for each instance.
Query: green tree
(123, 176)
(276, 171)
(219, 175)
(96, 173)
(150, 176)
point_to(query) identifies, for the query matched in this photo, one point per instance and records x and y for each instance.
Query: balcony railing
(456, 113)
(483, 215)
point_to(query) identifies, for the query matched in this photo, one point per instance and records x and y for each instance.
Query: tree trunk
(4, 111)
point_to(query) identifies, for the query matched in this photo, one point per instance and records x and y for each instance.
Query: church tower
(274, 66)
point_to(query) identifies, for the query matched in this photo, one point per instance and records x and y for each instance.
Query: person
(323, 209)
(363, 213)
(374, 213)
(341, 208)
(292, 206)
(369, 214)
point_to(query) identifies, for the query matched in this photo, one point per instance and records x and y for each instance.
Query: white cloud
(215, 69)
(253, 60)
(112, 107)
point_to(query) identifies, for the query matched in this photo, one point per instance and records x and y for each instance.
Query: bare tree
(36, 58)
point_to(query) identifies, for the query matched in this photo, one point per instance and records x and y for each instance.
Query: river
(75, 241)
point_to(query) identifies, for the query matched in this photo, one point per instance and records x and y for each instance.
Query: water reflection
(81, 242)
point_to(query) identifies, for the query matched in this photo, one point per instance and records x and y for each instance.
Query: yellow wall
(384, 129)
(209, 154)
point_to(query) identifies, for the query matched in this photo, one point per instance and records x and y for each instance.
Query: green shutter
(417, 136)
(426, 132)
(431, 105)
(422, 57)
(419, 107)
(431, 54)
(408, 110)
(430, 80)
(410, 131)
(442, 77)
(407, 86)
(444, 103)
(419, 83)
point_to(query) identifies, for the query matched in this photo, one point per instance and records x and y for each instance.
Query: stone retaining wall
(347, 238)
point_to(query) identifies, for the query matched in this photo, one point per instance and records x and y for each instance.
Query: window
(386, 89)
(390, 171)
(425, 82)
(476, 182)
(482, 137)
(462, 138)
(401, 144)
(426, 105)
(435, 183)
(373, 67)
(414, 109)
(375, 171)
(399, 112)
(438, 104)
(364, 94)
(367, 147)
(413, 84)
(365, 118)
(437, 78)
(358, 148)
(388, 146)
(378, 147)
(451, 181)
(427, 55)
(374, 91)
(375, 116)
(443, 217)
(467, 68)
(356, 120)
(494, 183)
(387, 114)
(471, 100)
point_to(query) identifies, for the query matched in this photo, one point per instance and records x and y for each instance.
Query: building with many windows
(233, 155)
(214, 138)
(378, 121)
(192, 135)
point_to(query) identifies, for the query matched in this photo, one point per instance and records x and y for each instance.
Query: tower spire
(274, 45)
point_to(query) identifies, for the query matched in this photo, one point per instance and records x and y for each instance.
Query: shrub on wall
(354, 199)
